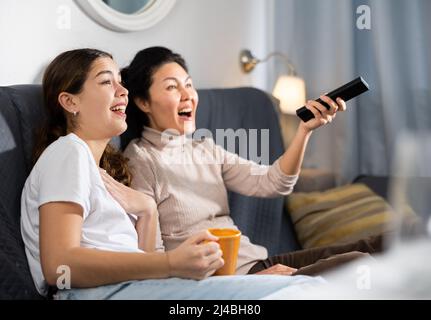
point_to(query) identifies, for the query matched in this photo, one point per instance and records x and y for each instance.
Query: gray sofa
(21, 110)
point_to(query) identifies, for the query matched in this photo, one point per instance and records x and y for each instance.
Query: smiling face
(101, 104)
(173, 100)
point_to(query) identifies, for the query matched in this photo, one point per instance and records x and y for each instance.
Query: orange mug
(229, 240)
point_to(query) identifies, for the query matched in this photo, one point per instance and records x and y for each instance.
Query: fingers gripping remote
(345, 92)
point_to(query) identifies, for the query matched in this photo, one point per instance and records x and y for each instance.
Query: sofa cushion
(15, 278)
(20, 111)
(340, 215)
(28, 102)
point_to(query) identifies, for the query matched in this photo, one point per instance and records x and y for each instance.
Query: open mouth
(119, 110)
(185, 113)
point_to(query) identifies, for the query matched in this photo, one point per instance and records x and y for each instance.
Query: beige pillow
(340, 215)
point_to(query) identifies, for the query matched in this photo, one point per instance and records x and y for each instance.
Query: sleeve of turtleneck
(251, 179)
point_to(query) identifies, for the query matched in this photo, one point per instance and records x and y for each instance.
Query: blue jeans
(213, 288)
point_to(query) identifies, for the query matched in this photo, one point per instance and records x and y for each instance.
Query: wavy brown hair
(67, 73)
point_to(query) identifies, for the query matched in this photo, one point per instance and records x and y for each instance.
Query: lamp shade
(290, 90)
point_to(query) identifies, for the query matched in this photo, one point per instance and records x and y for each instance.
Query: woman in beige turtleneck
(189, 179)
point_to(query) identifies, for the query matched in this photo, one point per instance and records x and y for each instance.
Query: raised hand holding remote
(321, 114)
(345, 92)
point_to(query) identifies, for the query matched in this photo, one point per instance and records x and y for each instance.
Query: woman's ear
(142, 105)
(67, 101)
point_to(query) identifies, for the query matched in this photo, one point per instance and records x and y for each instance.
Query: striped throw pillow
(340, 215)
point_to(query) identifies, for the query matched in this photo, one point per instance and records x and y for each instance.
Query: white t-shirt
(67, 171)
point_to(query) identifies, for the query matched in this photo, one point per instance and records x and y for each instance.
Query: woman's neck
(97, 146)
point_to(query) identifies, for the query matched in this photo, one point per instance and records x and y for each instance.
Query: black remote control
(346, 92)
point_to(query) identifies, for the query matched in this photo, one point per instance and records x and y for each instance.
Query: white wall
(208, 33)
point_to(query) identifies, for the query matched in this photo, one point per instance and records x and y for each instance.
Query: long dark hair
(67, 73)
(138, 78)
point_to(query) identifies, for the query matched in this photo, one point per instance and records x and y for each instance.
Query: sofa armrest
(379, 184)
(314, 180)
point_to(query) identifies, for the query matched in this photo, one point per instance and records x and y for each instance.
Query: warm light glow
(290, 91)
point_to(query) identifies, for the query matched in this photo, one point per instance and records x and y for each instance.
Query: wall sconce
(289, 88)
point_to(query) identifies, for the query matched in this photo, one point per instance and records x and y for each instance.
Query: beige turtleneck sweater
(189, 180)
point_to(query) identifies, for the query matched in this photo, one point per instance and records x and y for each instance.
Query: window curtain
(327, 48)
